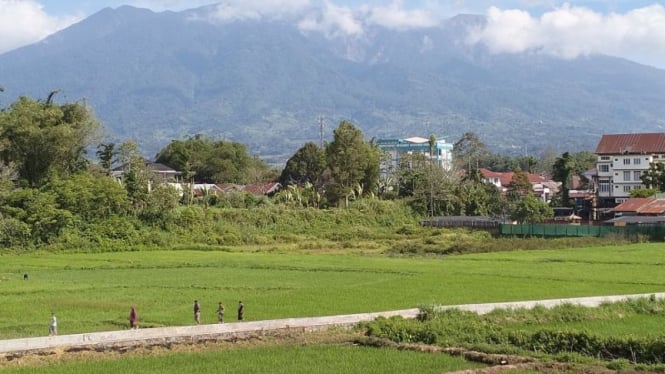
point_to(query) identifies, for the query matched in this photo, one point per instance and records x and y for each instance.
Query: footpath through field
(181, 334)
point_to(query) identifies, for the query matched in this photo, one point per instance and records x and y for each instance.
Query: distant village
(622, 159)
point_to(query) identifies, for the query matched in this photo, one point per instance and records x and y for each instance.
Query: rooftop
(647, 143)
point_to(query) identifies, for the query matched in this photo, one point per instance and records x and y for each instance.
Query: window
(626, 161)
(603, 186)
(636, 161)
(605, 158)
(626, 188)
(626, 175)
(636, 175)
(604, 168)
(637, 187)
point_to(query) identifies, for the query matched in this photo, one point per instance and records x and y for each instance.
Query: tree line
(55, 177)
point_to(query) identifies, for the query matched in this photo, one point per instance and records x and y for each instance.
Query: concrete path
(240, 329)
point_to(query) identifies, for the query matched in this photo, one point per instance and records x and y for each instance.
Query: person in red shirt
(133, 319)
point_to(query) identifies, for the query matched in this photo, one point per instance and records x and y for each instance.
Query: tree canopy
(305, 166)
(353, 162)
(208, 160)
(42, 138)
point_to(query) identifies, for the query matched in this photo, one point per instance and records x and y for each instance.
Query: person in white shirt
(53, 327)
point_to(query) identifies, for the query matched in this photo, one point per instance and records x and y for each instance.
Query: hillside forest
(57, 189)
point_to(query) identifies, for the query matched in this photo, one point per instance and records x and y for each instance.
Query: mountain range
(154, 77)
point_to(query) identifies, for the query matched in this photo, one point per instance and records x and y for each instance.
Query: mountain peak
(157, 76)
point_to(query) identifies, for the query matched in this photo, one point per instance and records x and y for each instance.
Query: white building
(442, 152)
(622, 160)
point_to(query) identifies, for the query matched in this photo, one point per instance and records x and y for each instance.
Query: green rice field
(318, 359)
(94, 292)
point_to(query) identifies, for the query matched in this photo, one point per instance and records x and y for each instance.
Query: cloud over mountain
(569, 32)
(240, 10)
(564, 31)
(24, 22)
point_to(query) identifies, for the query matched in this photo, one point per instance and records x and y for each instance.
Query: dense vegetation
(626, 332)
(53, 195)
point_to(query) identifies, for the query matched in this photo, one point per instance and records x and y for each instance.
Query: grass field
(291, 359)
(94, 292)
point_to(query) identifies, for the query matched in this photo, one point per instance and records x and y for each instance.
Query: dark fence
(471, 222)
(653, 232)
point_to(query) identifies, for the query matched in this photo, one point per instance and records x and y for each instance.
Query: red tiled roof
(261, 189)
(648, 143)
(633, 204)
(487, 173)
(507, 177)
(656, 207)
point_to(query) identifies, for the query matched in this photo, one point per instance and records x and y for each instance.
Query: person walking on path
(241, 311)
(197, 312)
(220, 313)
(133, 319)
(53, 326)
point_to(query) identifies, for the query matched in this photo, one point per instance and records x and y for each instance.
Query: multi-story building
(442, 152)
(622, 160)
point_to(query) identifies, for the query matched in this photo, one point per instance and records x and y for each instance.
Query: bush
(466, 329)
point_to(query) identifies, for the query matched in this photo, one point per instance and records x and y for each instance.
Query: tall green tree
(136, 176)
(106, 153)
(42, 138)
(530, 209)
(469, 151)
(654, 177)
(305, 166)
(562, 171)
(352, 161)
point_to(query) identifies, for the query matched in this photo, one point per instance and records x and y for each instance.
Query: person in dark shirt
(197, 312)
(241, 310)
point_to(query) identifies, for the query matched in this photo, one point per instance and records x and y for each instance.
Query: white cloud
(232, 10)
(334, 21)
(569, 32)
(24, 21)
(394, 16)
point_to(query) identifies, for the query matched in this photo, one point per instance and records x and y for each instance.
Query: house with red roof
(542, 187)
(638, 210)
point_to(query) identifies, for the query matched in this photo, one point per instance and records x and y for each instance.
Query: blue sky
(633, 29)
